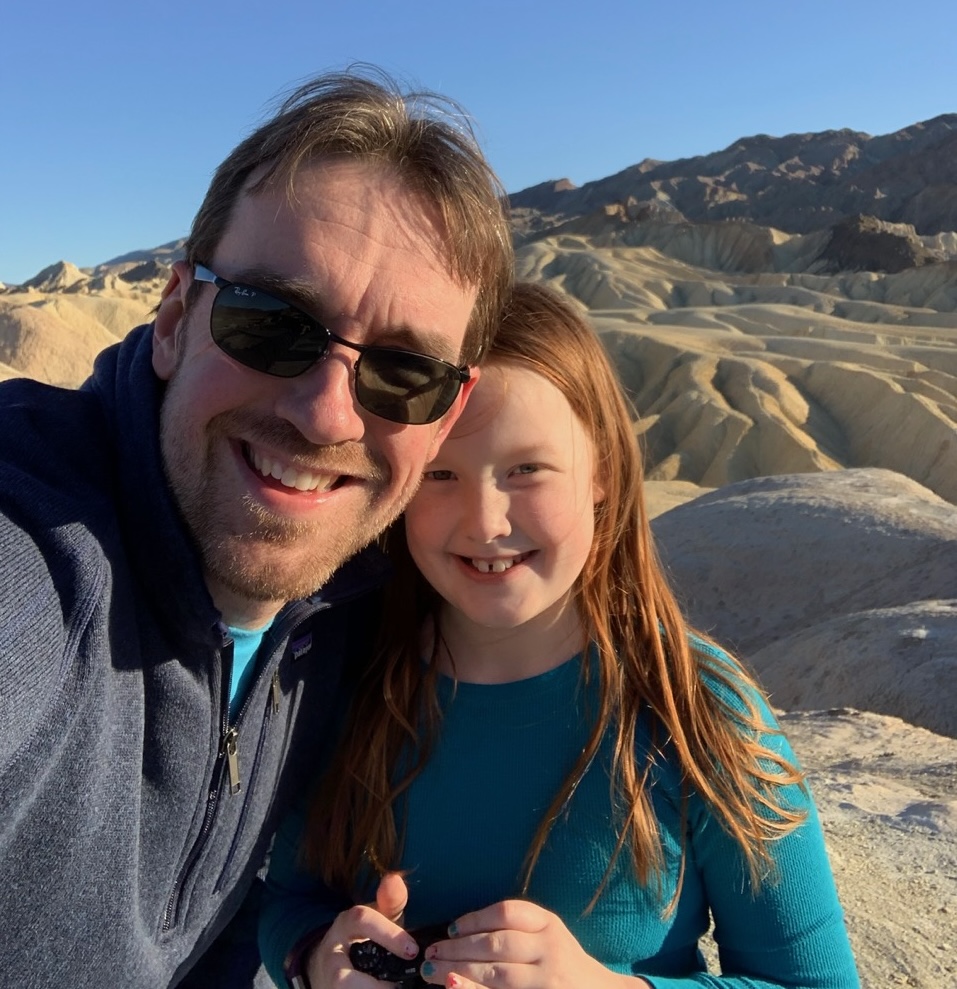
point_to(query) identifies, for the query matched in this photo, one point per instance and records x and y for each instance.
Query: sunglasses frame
(453, 373)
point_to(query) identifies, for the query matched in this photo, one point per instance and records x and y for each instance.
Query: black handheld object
(372, 959)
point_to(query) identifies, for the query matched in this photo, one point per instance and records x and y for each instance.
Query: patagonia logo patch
(301, 646)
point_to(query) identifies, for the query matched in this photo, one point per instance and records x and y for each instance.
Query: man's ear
(448, 420)
(168, 326)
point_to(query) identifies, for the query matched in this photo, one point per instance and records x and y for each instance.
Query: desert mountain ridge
(798, 183)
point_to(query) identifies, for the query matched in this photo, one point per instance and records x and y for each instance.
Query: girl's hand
(515, 944)
(328, 962)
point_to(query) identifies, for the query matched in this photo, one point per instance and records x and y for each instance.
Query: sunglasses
(268, 334)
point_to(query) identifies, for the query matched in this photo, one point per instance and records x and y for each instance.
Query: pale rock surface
(838, 588)
(887, 796)
(40, 344)
(59, 277)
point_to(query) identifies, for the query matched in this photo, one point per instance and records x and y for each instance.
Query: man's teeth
(497, 566)
(288, 476)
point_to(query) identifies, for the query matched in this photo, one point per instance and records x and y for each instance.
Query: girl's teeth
(495, 566)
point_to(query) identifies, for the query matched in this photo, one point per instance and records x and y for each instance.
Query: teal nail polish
(453, 929)
(428, 969)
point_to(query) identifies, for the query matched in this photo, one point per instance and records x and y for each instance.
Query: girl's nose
(489, 515)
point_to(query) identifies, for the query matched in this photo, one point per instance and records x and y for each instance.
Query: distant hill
(166, 253)
(798, 183)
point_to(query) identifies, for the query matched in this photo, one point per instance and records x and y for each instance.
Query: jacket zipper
(228, 736)
(229, 750)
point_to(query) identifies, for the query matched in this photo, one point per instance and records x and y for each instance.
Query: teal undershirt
(246, 642)
(503, 752)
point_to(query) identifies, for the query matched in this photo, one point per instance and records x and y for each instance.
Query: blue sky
(114, 115)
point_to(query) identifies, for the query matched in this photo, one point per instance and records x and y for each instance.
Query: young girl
(567, 779)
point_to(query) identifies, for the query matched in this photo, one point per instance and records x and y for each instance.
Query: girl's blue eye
(526, 468)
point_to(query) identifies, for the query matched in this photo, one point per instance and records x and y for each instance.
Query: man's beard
(237, 563)
(249, 550)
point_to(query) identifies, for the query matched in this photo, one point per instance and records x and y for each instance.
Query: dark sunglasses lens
(404, 387)
(264, 332)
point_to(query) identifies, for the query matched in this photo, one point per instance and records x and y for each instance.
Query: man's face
(361, 253)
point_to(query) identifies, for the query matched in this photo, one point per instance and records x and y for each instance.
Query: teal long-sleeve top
(502, 754)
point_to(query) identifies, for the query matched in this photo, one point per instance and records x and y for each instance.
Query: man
(179, 537)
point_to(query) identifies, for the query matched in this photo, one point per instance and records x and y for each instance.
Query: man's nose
(321, 403)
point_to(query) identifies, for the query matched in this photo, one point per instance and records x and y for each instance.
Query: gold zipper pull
(232, 760)
(276, 694)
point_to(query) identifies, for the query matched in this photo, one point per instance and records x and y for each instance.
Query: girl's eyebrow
(300, 293)
(529, 455)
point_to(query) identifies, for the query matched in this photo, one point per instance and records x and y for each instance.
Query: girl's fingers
(455, 981)
(517, 946)
(364, 923)
(476, 975)
(506, 915)
(392, 896)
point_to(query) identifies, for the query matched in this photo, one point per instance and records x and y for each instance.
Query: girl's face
(503, 522)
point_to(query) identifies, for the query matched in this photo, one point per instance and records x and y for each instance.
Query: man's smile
(271, 466)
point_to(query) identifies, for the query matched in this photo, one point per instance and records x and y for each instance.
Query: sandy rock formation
(59, 277)
(887, 797)
(39, 343)
(838, 589)
(52, 327)
(735, 376)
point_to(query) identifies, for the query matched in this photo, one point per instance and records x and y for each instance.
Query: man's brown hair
(425, 138)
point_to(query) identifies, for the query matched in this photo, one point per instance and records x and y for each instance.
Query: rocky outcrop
(541, 196)
(864, 243)
(739, 375)
(147, 271)
(167, 253)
